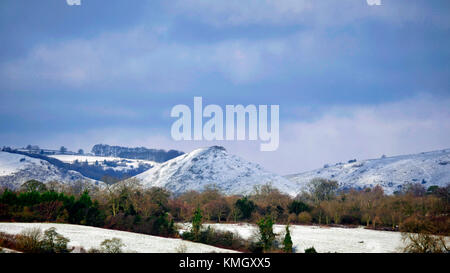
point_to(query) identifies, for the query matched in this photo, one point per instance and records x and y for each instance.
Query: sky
(353, 78)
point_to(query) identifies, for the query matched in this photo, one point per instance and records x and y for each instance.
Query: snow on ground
(16, 169)
(124, 163)
(11, 163)
(429, 169)
(325, 239)
(212, 165)
(91, 237)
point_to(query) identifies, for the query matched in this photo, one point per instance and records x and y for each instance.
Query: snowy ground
(327, 239)
(91, 237)
(124, 163)
(16, 169)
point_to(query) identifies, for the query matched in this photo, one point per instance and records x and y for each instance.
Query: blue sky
(352, 80)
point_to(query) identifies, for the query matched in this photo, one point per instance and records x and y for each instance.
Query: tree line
(128, 206)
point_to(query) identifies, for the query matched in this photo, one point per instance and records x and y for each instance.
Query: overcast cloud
(352, 80)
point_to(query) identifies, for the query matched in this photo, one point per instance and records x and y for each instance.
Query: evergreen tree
(267, 237)
(197, 223)
(245, 207)
(287, 242)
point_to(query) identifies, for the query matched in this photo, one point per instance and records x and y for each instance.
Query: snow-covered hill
(16, 169)
(430, 168)
(115, 163)
(213, 165)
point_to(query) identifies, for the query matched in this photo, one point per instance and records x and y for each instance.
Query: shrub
(415, 224)
(287, 242)
(298, 207)
(310, 250)
(292, 218)
(424, 243)
(54, 242)
(245, 207)
(304, 218)
(197, 223)
(113, 245)
(8, 241)
(266, 235)
(30, 240)
(224, 239)
(350, 220)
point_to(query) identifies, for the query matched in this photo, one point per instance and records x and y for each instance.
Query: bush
(224, 239)
(8, 241)
(287, 242)
(424, 243)
(30, 240)
(415, 224)
(292, 218)
(304, 218)
(310, 250)
(350, 220)
(197, 223)
(113, 245)
(245, 207)
(298, 207)
(54, 242)
(266, 235)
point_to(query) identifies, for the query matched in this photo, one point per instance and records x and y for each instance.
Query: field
(91, 237)
(327, 239)
(323, 239)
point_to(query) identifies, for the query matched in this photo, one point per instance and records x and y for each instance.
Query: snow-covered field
(326, 239)
(91, 237)
(124, 163)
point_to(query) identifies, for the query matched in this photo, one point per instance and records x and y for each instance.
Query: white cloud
(140, 59)
(410, 126)
(137, 58)
(311, 13)
(374, 2)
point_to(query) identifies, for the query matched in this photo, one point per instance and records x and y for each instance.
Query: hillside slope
(213, 165)
(429, 168)
(16, 169)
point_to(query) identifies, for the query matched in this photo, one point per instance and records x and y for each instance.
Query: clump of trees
(37, 205)
(34, 241)
(210, 236)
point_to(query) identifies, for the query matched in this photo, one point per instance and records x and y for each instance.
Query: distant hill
(16, 169)
(143, 153)
(106, 169)
(392, 173)
(212, 165)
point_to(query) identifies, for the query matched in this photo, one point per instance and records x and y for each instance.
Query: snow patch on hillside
(392, 173)
(16, 169)
(123, 164)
